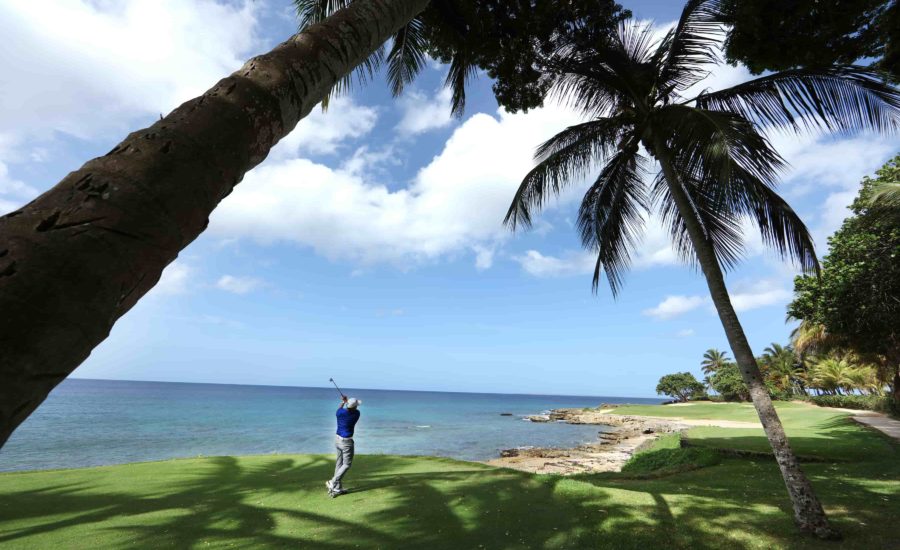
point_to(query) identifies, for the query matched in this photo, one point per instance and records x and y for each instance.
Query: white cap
(353, 402)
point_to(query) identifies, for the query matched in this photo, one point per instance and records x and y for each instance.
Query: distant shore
(613, 449)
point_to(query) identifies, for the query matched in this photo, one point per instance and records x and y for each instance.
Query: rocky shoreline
(608, 454)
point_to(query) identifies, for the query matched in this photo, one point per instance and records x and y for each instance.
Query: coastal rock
(612, 450)
(506, 414)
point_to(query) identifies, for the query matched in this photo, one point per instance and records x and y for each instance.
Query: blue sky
(368, 246)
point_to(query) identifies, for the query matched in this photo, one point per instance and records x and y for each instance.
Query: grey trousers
(344, 448)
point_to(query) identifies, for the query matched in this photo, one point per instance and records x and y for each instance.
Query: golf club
(336, 387)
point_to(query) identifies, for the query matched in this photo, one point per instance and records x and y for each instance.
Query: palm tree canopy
(714, 360)
(631, 87)
(506, 39)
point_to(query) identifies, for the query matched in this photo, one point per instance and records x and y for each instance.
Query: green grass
(814, 432)
(413, 502)
(667, 456)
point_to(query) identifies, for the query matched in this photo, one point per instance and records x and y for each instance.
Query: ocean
(99, 422)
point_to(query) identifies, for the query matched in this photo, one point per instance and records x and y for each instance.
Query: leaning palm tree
(713, 360)
(715, 168)
(78, 257)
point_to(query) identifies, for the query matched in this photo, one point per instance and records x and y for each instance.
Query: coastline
(613, 449)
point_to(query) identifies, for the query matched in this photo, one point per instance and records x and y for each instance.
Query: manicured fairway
(412, 502)
(814, 432)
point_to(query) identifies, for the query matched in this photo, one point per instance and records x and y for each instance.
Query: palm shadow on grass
(400, 502)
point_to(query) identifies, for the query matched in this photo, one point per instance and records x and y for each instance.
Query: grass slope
(814, 432)
(415, 502)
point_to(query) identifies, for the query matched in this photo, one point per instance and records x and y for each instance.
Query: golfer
(347, 417)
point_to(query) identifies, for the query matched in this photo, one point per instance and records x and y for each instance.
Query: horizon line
(354, 388)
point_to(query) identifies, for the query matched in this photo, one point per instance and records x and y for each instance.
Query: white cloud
(571, 263)
(322, 132)
(238, 285)
(455, 204)
(835, 167)
(685, 333)
(484, 257)
(174, 279)
(758, 294)
(673, 306)
(421, 113)
(82, 66)
(13, 193)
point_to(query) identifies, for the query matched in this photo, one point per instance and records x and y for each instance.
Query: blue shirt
(346, 420)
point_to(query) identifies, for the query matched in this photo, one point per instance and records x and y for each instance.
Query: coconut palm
(713, 360)
(811, 338)
(865, 380)
(716, 168)
(833, 374)
(782, 367)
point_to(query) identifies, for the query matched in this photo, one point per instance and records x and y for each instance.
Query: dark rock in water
(506, 414)
(507, 453)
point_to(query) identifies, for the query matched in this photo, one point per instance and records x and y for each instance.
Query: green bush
(863, 402)
(728, 383)
(667, 456)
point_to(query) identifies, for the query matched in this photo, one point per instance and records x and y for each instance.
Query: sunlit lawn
(814, 432)
(415, 502)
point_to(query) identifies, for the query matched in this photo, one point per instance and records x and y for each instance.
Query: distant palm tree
(783, 367)
(713, 360)
(811, 338)
(716, 168)
(833, 374)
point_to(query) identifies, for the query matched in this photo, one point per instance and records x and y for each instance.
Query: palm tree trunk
(808, 513)
(78, 257)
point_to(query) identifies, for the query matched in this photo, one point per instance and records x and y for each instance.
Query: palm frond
(733, 168)
(686, 51)
(636, 41)
(599, 80)
(407, 56)
(310, 12)
(780, 227)
(721, 226)
(612, 214)
(567, 156)
(885, 194)
(841, 99)
(462, 69)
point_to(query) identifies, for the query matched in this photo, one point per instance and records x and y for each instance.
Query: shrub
(728, 383)
(662, 461)
(862, 402)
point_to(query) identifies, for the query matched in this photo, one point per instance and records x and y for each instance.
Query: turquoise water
(97, 422)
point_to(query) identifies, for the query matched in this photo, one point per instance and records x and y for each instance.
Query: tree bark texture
(82, 254)
(808, 513)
